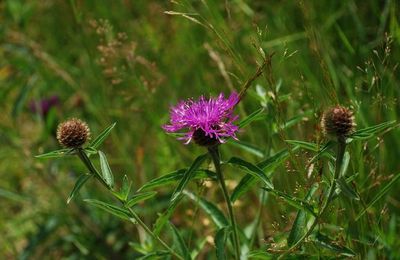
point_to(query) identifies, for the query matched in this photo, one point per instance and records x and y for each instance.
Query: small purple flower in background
(44, 105)
(207, 121)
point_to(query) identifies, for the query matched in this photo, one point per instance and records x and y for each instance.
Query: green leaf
(247, 147)
(106, 170)
(211, 209)
(256, 115)
(162, 254)
(371, 131)
(295, 202)
(326, 242)
(117, 211)
(179, 243)
(56, 153)
(164, 217)
(78, 185)
(299, 227)
(126, 188)
(260, 254)
(244, 185)
(139, 197)
(380, 194)
(188, 175)
(175, 176)
(304, 145)
(268, 165)
(345, 164)
(220, 240)
(346, 189)
(323, 150)
(101, 137)
(253, 170)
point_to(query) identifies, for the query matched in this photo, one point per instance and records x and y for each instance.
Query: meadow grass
(129, 61)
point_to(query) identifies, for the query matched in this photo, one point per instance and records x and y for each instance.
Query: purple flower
(206, 121)
(43, 106)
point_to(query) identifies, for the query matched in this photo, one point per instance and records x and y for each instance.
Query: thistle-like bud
(338, 121)
(73, 133)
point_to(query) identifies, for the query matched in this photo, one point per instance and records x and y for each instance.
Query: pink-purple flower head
(206, 121)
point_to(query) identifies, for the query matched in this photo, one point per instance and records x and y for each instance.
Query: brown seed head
(73, 133)
(338, 121)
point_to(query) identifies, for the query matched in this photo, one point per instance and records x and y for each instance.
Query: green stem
(216, 160)
(339, 160)
(89, 165)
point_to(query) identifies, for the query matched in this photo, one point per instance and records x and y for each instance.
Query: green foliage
(128, 62)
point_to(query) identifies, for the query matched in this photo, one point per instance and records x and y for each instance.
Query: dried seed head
(73, 133)
(338, 121)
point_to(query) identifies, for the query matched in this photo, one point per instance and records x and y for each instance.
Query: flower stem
(89, 165)
(216, 160)
(339, 160)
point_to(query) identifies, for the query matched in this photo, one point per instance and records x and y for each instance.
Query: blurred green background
(129, 61)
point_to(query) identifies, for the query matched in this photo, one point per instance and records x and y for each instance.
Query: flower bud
(73, 133)
(338, 121)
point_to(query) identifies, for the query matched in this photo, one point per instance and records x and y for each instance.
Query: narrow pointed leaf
(56, 153)
(179, 243)
(268, 166)
(371, 131)
(137, 198)
(126, 188)
(101, 137)
(256, 115)
(295, 202)
(347, 189)
(165, 216)
(117, 211)
(253, 170)
(211, 209)
(162, 254)
(304, 145)
(78, 185)
(300, 223)
(176, 176)
(328, 243)
(247, 147)
(106, 170)
(188, 175)
(220, 241)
